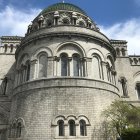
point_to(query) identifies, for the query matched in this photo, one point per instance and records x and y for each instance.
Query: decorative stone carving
(40, 20)
(64, 19)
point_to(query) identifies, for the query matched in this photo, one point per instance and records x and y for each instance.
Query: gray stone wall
(40, 105)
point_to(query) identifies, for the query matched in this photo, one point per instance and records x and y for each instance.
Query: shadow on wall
(7, 83)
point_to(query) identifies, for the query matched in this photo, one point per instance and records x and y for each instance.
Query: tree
(121, 115)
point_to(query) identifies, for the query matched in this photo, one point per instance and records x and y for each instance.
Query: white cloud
(129, 31)
(15, 22)
(137, 2)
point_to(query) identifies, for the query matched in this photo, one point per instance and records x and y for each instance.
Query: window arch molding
(72, 117)
(97, 52)
(54, 121)
(136, 76)
(22, 60)
(65, 47)
(81, 117)
(110, 60)
(35, 54)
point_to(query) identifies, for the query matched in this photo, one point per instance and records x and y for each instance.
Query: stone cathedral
(56, 81)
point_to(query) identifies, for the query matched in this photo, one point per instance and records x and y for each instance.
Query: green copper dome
(63, 6)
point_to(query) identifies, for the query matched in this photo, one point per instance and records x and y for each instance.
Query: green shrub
(131, 134)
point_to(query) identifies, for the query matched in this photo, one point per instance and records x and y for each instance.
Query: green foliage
(131, 134)
(121, 115)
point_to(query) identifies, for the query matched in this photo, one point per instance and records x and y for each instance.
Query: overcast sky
(118, 19)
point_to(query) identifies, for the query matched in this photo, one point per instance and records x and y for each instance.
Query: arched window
(49, 23)
(96, 64)
(138, 90)
(65, 21)
(118, 52)
(42, 66)
(76, 65)
(11, 50)
(64, 65)
(124, 87)
(5, 48)
(123, 52)
(81, 23)
(13, 132)
(19, 129)
(72, 128)
(83, 131)
(61, 128)
(28, 71)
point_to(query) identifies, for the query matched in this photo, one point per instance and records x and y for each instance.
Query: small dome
(63, 6)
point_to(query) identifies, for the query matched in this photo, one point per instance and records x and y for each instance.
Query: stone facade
(64, 73)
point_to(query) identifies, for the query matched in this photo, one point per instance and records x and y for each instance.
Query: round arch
(65, 47)
(40, 50)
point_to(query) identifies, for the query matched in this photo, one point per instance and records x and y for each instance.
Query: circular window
(49, 23)
(81, 23)
(65, 21)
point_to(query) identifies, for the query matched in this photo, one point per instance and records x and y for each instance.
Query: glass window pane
(61, 128)
(76, 65)
(64, 65)
(42, 66)
(83, 128)
(28, 72)
(72, 128)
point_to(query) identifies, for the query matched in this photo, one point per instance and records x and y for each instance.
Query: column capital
(33, 62)
(69, 58)
(56, 58)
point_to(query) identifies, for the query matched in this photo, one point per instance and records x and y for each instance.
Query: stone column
(50, 67)
(67, 130)
(70, 67)
(89, 67)
(77, 129)
(56, 16)
(84, 67)
(56, 71)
